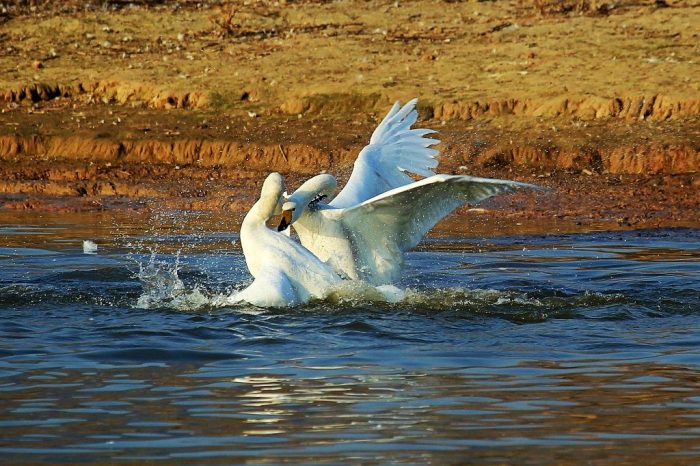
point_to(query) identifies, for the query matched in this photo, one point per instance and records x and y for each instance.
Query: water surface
(515, 349)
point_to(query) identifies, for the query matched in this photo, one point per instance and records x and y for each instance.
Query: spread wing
(383, 228)
(393, 150)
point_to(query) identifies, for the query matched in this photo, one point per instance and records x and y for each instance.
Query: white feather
(368, 241)
(285, 273)
(393, 149)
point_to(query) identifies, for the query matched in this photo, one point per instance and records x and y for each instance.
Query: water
(518, 349)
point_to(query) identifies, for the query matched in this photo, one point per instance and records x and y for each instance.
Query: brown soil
(167, 104)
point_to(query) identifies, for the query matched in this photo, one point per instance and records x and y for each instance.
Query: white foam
(357, 291)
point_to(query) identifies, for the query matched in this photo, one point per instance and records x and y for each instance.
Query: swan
(364, 232)
(285, 273)
(368, 241)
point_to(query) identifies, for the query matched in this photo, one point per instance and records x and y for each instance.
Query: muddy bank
(303, 159)
(102, 134)
(585, 107)
(188, 105)
(601, 175)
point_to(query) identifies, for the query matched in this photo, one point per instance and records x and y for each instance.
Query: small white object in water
(89, 247)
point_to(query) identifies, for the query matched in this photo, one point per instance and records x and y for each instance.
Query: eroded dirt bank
(624, 174)
(189, 105)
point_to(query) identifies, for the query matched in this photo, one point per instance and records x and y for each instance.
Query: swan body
(285, 273)
(381, 213)
(368, 241)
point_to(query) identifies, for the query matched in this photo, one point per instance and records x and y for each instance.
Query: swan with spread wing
(364, 232)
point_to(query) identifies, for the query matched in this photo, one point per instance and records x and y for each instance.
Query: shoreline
(169, 105)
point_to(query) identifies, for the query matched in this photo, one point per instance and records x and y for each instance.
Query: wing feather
(383, 228)
(394, 150)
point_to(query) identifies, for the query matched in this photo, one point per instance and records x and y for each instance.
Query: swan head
(308, 195)
(271, 195)
(289, 215)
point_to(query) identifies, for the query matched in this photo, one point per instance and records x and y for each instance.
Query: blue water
(553, 348)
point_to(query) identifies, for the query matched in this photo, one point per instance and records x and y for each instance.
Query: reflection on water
(531, 411)
(520, 349)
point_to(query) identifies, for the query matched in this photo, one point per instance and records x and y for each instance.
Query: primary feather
(394, 149)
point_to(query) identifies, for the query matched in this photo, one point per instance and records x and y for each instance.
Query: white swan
(285, 273)
(368, 241)
(381, 213)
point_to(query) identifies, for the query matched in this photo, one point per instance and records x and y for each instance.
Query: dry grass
(44, 8)
(225, 21)
(591, 7)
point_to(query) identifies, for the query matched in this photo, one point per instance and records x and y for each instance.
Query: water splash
(163, 287)
(356, 291)
(347, 293)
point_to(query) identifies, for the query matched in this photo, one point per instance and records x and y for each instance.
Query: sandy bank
(188, 105)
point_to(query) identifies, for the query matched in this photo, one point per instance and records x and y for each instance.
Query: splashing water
(163, 288)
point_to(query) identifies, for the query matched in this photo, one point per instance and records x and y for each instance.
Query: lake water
(533, 349)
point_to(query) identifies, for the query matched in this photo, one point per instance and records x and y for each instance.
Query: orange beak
(286, 220)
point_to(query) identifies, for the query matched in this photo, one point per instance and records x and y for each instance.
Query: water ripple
(532, 350)
(150, 354)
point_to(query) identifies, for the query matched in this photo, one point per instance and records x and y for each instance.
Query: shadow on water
(521, 349)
